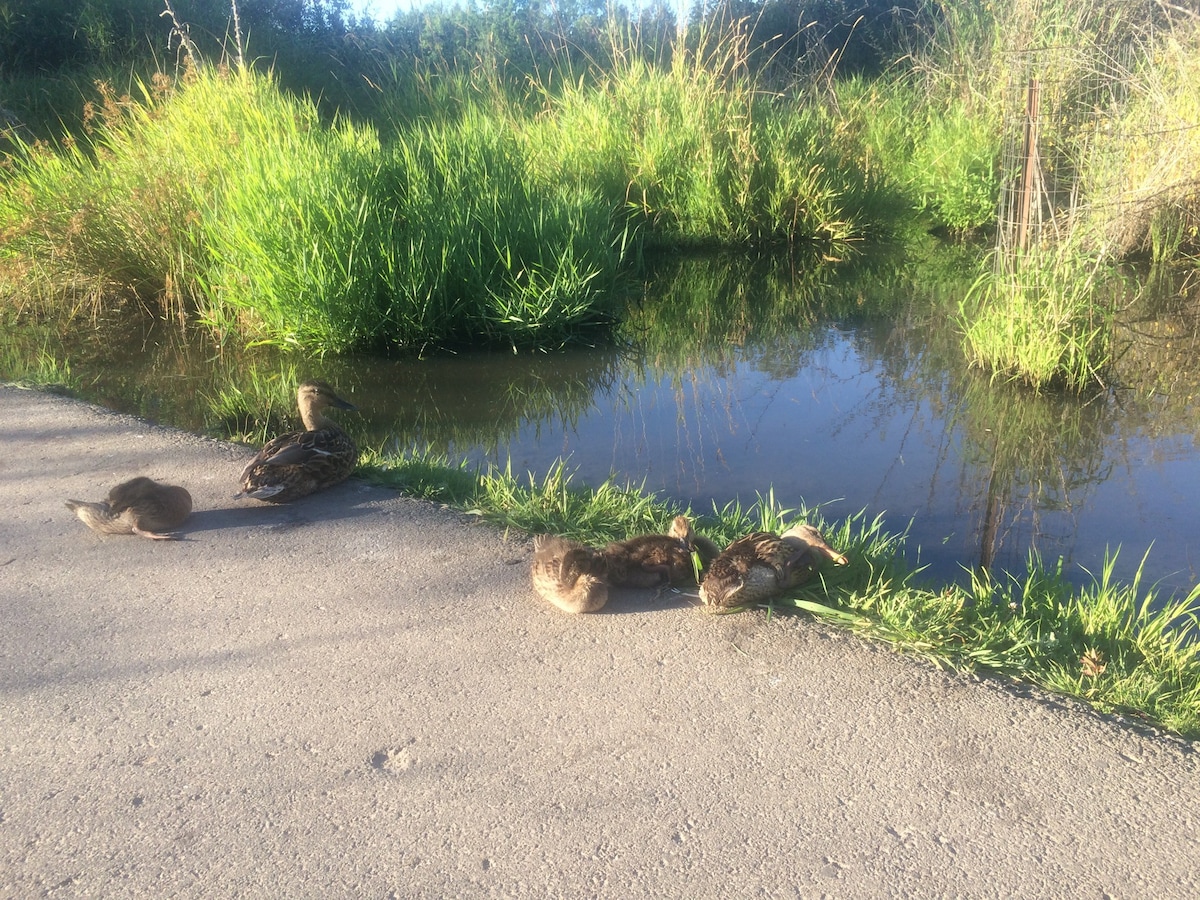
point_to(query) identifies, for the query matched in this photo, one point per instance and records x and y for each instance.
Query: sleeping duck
(762, 565)
(568, 574)
(653, 560)
(139, 506)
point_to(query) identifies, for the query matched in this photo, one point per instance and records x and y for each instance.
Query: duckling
(749, 569)
(139, 506)
(569, 574)
(705, 547)
(652, 560)
(294, 465)
(812, 547)
(763, 564)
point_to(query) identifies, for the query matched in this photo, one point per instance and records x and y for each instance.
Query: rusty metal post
(1029, 172)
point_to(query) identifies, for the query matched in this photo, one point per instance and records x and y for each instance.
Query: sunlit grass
(490, 219)
(697, 153)
(45, 371)
(942, 158)
(1042, 323)
(231, 202)
(1119, 646)
(256, 407)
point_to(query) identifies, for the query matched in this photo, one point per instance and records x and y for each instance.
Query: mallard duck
(763, 564)
(294, 465)
(705, 547)
(139, 506)
(568, 574)
(652, 560)
(812, 548)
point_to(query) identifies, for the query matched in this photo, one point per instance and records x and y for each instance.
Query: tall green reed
(112, 216)
(484, 247)
(229, 198)
(692, 151)
(941, 158)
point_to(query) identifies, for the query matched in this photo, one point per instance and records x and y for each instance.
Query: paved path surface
(359, 696)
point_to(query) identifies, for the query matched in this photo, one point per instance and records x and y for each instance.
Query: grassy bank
(1115, 163)
(1121, 648)
(506, 219)
(465, 204)
(229, 203)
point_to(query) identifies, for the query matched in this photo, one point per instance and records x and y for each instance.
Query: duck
(705, 547)
(653, 560)
(140, 506)
(813, 548)
(295, 465)
(763, 564)
(568, 574)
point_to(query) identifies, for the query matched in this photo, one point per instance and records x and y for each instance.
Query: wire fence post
(1029, 173)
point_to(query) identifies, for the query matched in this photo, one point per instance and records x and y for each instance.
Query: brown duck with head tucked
(762, 565)
(294, 465)
(569, 574)
(139, 506)
(653, 560)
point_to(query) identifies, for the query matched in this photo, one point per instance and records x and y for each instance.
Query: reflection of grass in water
(1021, 451)
(1017, 432)
(1157, 338)
(402, 403)
(161, 372)
(256, 406)
(1032, 451)
(1118, 647)
(710, 304)
(706, 307)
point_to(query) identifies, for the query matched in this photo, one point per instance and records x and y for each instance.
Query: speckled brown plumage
(139, 506)
(707, 549)
(762, 565)
(652, 560)
(568, 574)
(297, 464)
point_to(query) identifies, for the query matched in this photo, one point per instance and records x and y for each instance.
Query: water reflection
(735, 376)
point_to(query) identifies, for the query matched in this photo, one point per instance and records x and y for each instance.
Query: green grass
(479, 209)
(942, 158)
(498, 217)
(255, 406)
(229, 202)
(1041, 324)
(1117, 120)
(1121, 648)
(696, 153)
(46, 371)
(328, 240)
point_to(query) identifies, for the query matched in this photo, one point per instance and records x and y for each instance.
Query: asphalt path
(359, 695)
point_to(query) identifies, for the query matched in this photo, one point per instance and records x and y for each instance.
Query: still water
(733, 378)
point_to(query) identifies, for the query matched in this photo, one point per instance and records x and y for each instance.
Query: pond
(734, 377)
